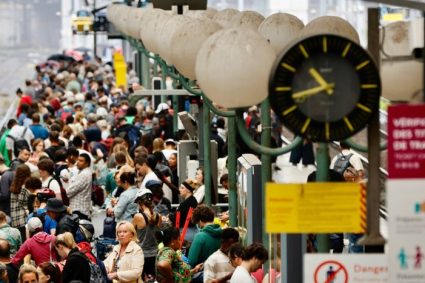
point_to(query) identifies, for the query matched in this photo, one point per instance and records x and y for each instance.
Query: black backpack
(96, 275)
(342, 163)
(68, 223)
(19, 143)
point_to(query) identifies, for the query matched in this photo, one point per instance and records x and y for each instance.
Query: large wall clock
(325, 87)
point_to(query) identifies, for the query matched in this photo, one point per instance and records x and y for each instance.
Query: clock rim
(276, 70)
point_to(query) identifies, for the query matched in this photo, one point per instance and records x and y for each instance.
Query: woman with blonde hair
(67, 134)
(118, 148)
(125, 262)
(158, 145)
(78, 125)
(28, 273)
(19, 199)
(77, 266)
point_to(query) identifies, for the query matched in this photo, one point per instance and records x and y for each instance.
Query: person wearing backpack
(18, 137)
(66, 222)
(46, 168)
(23, 156)
(346, 159)
(77, 266)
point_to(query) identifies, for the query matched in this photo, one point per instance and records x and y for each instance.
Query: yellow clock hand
(312, 91)
(320, 80)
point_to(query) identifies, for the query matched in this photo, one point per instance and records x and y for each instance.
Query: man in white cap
(40, 245)
(170, 148)
(162, 107)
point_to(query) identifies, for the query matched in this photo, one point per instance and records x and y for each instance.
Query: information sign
(120, 70)
(314, 208)
(406, 141)
(406, 227)
(406, 193)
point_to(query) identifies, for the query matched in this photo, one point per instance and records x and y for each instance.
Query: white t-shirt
(167, 152)
(54, 186)
(355, 160)
(217, 266)
(199, 194)
(150, 176)
(242, 275)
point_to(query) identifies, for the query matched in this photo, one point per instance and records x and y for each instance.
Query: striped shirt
(217, 266)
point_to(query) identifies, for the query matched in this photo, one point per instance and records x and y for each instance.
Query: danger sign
(345, 268)
(331, 271)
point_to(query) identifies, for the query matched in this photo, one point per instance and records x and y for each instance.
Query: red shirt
(25, 99)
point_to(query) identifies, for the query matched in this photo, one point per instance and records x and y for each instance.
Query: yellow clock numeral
(366, 86)
(348, 123)
(303, 51)
(327, 131)
(307, 122)
(362, 64)
(289, 110)
(325, 44)
(363, 107)
(283, 88)
(288, 67)
(344, 53)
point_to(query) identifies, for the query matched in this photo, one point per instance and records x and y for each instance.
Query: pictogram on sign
(331, 271)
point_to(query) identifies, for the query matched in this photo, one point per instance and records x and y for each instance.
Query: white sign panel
(345, 268)
(406, 227)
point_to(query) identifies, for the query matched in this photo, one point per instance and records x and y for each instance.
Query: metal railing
(9, 114)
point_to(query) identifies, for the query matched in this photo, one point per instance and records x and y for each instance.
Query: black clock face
(325, 88)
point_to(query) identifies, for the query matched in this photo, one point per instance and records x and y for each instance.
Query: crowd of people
(77, 142)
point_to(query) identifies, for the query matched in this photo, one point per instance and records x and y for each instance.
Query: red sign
(406, 141)
(331, 271)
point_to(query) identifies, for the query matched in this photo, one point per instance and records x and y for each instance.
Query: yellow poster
(315, 208)
(120, 70)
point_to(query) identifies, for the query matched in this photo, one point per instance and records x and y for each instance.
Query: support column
(266, 169)
(373, 241)
(323, 244)
(231, 165)
(207, 153)
(146, 75)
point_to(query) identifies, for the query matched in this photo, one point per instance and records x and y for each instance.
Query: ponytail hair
(168, 235)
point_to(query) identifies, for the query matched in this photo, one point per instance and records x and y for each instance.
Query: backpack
(342, 163)
(97, 195)
(64, 196)
(40, 215)
(96, 275)
(86, 250)
(68, 223)
(19, 143)
(58, 169)
(134, 136)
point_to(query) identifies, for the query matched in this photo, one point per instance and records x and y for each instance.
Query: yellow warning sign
(120, 70)
(314, 208)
